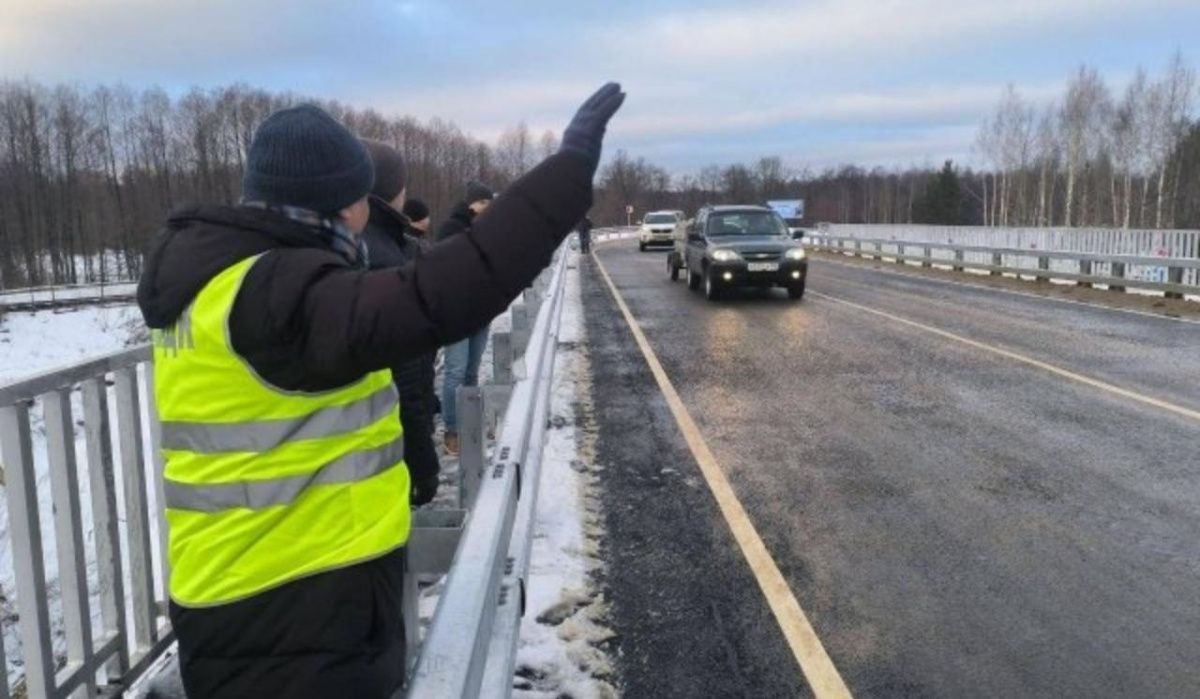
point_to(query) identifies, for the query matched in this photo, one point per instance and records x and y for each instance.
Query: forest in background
(85, 170)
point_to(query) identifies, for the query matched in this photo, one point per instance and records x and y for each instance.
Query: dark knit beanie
(303, 157)
(416, 210)
(390, 173)
(478, 191)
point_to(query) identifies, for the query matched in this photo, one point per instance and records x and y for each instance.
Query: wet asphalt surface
(953, 522)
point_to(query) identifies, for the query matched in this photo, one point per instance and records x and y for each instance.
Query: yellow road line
(1030, 361)
(814, 662)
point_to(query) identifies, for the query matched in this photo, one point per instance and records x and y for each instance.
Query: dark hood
(463, 213)
(197, 243)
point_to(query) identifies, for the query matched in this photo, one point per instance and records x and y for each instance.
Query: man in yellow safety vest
(286, 491)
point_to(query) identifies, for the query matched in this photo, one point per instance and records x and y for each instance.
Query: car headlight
(725, 255)
(796, 254)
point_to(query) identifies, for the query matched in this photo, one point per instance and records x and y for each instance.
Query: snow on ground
(559, 652)
(32, 343)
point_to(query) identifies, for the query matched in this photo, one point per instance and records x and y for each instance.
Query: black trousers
(585, 242)
(336, 634)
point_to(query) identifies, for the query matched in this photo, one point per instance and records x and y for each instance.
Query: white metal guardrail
(100, 519)
(1174, 276)
(471, 645)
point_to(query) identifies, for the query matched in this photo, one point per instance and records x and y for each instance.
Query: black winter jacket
(307, 321)
(460, 221)
(390, 245)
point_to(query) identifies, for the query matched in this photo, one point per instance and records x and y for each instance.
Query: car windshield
(660, 218)
(760, 223)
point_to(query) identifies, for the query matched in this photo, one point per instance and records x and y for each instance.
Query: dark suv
(734, 246)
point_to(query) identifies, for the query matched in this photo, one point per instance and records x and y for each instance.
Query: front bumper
(736, 273)
(657, 238)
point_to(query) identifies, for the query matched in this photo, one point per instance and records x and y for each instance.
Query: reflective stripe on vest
(263, 486)
(256, 495)
(263, 435)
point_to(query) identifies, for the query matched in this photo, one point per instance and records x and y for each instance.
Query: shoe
(451, 442)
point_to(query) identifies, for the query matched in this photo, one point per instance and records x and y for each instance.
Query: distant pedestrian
(585, 236)
(392, 242)
(462, 359)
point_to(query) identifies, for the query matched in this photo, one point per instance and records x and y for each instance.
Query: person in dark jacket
(462, 359)
(391, 244)
(417, 213)
(585, 235)
(308, 320)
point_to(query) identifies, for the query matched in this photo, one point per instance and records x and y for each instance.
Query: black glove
(424, 490)
(585, 133)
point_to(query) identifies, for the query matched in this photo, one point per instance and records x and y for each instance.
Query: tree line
(88, 175)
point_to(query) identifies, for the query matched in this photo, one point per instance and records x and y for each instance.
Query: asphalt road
(953, 521)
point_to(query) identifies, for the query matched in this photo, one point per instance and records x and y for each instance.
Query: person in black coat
(391, 244)
(463, 358)
(585, 235)
(310, 317)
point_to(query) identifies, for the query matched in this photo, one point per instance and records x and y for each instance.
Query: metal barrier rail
(1118, 266)
(66, 296)
(471, 646)
(487, 570)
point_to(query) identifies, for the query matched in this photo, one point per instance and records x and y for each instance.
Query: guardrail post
(110, 581)
(928, 262)
(958, 257)
(520, 329)
(137, 515)
(1043, 264)
(900, 254)
(997, 261)
(68, 530)
(26, 539)
(471, 444)
(502, 358)
(858, 248)
(1174, 276)
(1118, 270)
(878, 251)
(1085, 268)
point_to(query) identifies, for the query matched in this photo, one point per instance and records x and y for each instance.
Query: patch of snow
(563, 631)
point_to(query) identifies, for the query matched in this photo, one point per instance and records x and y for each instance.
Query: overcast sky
(891, 82)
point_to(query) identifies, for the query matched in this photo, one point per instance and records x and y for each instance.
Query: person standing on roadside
(462, 359)
(390, 243)
(585, 236)
(285, 484)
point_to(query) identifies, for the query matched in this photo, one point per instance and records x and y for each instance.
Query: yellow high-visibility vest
(264, 486)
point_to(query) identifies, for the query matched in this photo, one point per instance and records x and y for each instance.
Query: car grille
(760, 256)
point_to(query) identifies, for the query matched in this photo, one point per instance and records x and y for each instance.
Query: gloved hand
(424, 490)
(585, 133)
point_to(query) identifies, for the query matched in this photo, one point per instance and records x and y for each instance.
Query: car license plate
(763, 266)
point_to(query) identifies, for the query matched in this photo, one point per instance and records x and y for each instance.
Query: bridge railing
(108, 622)
(83, 483)
(470, 649)
(1173, 276)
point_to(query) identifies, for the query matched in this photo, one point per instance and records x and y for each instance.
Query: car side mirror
(695, 237)
(797, 235)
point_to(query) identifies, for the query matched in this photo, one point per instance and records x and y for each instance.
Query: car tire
(796, 291)
(712, 290)
(672, 268)
(641, 247)
(693, 279)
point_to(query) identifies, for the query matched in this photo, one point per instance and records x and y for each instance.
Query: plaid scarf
(335, 234)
